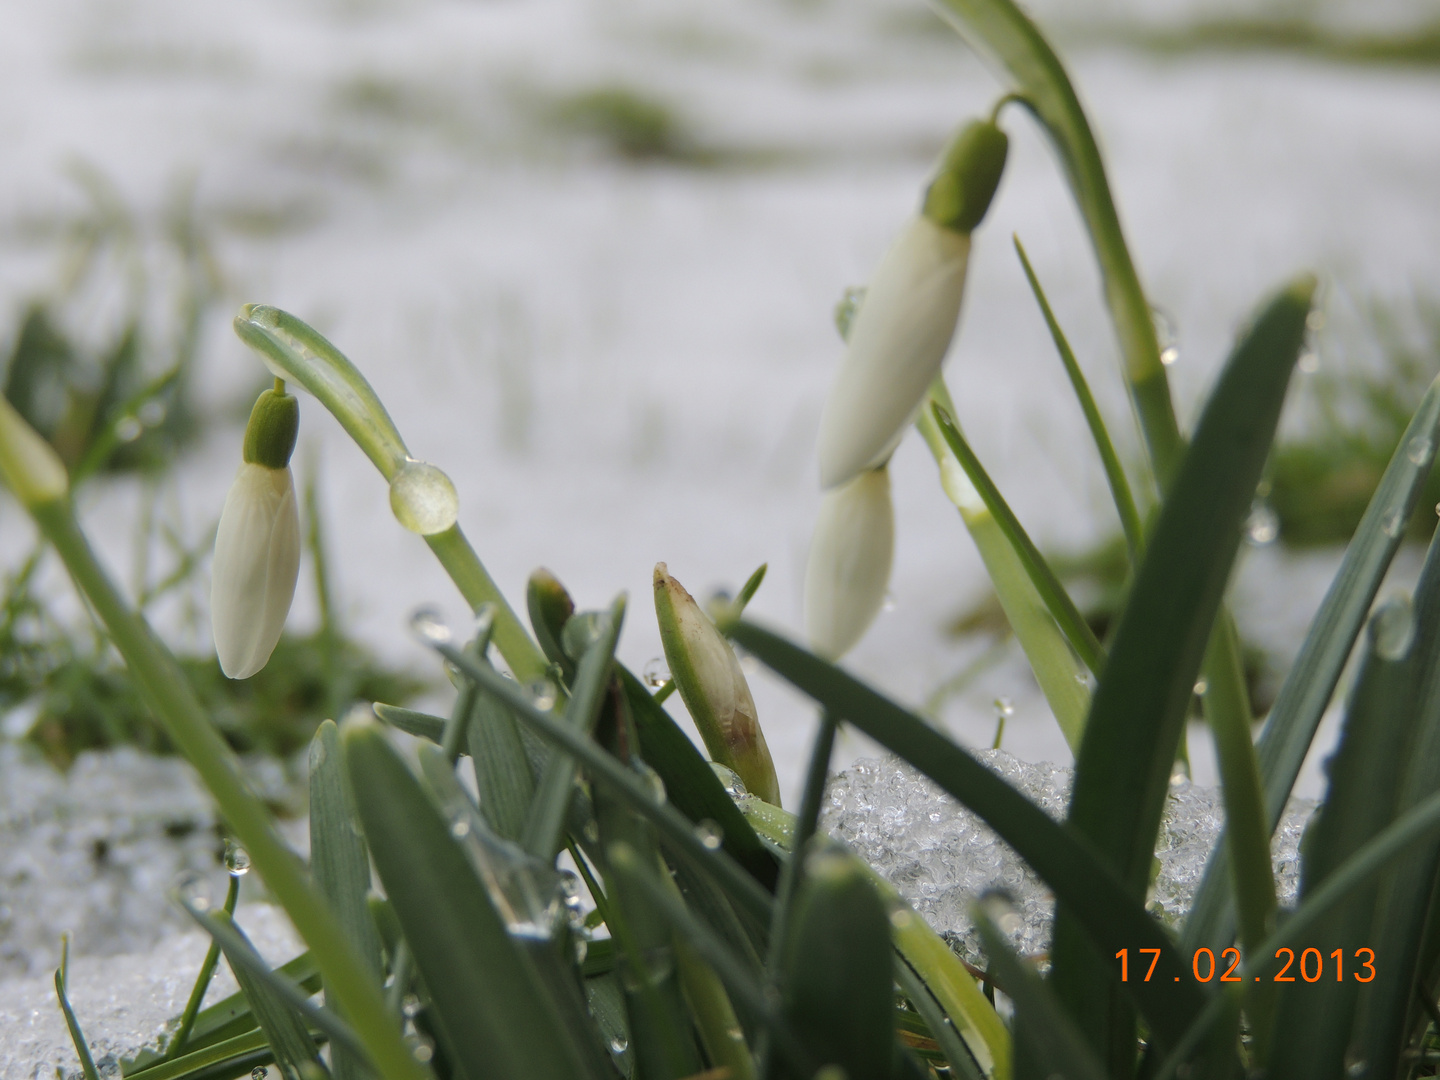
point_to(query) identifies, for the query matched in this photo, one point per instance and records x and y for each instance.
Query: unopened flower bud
(28, 464)
(257, 545)
(899, 336)
(849, 565)
(713, 687)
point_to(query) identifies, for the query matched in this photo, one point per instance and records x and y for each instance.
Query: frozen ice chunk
(940, 856)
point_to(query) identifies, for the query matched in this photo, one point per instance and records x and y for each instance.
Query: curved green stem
(170, 697)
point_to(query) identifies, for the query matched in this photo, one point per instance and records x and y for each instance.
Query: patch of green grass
(631, 123)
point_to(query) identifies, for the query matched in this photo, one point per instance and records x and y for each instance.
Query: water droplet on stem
(423, 499)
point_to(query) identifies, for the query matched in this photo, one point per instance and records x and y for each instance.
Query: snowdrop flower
(849, 565)
(713, 687)
(257, 547)
(902, 331)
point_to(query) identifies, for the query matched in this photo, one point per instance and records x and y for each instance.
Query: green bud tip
(274, 425)
(969, 173)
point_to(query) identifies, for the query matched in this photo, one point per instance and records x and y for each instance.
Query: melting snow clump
(941, 857)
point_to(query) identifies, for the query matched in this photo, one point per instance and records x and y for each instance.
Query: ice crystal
(941, 857)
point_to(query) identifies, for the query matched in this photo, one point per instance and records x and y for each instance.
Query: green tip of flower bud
(969, 173)
(550, 608)
(274, 425)
(28, 464)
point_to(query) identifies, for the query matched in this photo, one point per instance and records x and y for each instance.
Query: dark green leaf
(1311, 681)
(1060, 855)
(484, 990)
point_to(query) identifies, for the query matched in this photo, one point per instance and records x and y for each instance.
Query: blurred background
(588, 252)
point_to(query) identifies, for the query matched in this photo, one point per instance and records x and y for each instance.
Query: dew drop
(410, 1006)
(581, 947)
(460, 828)
(1178, 778)
(656, 672)
(128, 429)
(618, 1045)
(423, 499)
(1262, 525)
(652, 781)
(710, 834)
(1165, 336)
(259, 1072)
(592, 831)
(1393, 523)
(1315, 320)
(421, 1048)
(1201, 686)
(1420, 450)
(543, 694)
(901, 917)
(1355, 1067)
(1004, 707)
(730, 780)
(427, 623)
(1309, 362)
(237, 859)
(151, 413)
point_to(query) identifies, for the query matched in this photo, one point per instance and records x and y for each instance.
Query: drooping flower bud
(713, 687)
(28, 464)
(899, 336)
(849, 565)
(257, 545)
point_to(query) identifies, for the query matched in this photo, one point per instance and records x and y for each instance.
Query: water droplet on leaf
(656, 672)
(1004, 706)
(1420, 450)
(427, 623)
(710, 834)
(1262, 525)
(1393, 523)
(128, 429)
(423, 499)
(259, 1072)
(1309, 362)
(237, 859)
(543, 694)
(618, 1045)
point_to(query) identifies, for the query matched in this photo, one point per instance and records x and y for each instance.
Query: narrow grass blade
(999, 30)
(660, 1017)
(202, 979)
(1114, 471)
(277, 1007)
(483, 989)
(1420, 823)
(1063, 857)
(340, 865)
(227, 1058)
(1062, 676)
(1062, 609)
(1051, 1043)
(170, 696)
(232, 1017)
(1311, 681)
(421, 725)
(741, 984)
(1408, 894)
(77, 1037)
(504, 771)
(552, 797)
(675, 830)
(957, 1055)
(1313, 1023)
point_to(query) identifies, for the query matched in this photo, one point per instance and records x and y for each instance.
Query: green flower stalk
(257, 545)
(713, 687)
(900, 336)
(849, 565)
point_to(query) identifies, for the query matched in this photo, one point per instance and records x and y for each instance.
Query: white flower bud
(257, 559)
(849, 565)
(898, 340)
